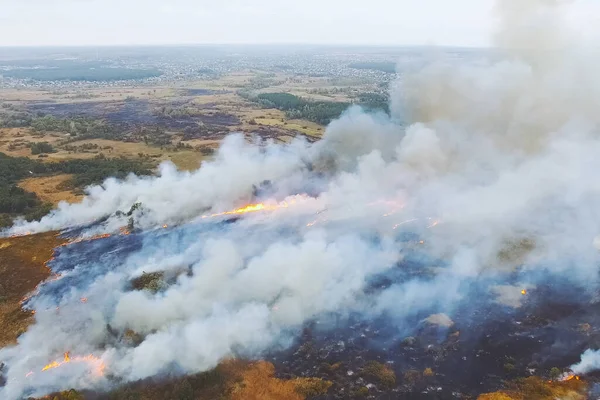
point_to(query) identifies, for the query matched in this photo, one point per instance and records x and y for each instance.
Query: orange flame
(252, 208)
(570, 377)
(20, 235)
(102, 236)
(54, 277)
(97, 364)
(244, 210)
(165, 226)
(524, 292)
(84, 299)
(434, 223)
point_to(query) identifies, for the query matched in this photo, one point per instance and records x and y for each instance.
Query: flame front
(245, 210)
(570, 377)
(252, 208)
(89, 239)
(16, 235)
(97, 364)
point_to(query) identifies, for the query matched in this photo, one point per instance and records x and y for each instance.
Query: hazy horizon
(243, 45)
(75, 23)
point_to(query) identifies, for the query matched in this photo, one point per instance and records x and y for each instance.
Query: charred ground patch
(425, 356)
(486, 346)
(136, 112)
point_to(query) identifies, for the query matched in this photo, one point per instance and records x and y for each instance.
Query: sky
(377, 22)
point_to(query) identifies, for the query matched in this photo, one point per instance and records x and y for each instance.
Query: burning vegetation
(94, 363)
(260, 207)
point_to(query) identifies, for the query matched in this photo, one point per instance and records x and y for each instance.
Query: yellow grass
(186, 160)
(183, 159)
(275, 118)
(49, 188)
(306, 127)
(285, 138)
(220, 99)
(231, 81)
(258, 383)
(94, 94)
(24, 135)
(534, 388)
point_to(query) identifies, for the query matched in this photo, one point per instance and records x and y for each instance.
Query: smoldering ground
(492, 168)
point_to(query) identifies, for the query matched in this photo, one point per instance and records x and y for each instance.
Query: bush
(66, 395)
(554, 373)
(41, 148)
(508, 367)
(311, 387)
(362, 392)
(14, 200)
(207, 151)
(152, 282)
(380, 372)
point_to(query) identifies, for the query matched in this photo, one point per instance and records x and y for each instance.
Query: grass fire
(445, 248)
(93, 363)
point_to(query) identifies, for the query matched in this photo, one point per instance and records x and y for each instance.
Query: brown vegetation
(231, 380)
(151, 282)
(534, 388)
(258, 383)
(22, 267)
(381, 372)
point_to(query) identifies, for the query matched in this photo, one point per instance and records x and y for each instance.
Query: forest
(383, 66)
(321, 112)
(81, 74)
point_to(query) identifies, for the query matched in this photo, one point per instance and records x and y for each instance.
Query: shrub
(41, 148)
(380, 372)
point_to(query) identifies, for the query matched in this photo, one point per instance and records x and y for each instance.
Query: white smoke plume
(488, 153)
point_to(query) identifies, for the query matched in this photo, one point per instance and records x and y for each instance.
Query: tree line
(321, 112)
(81, 73)
(15, 201)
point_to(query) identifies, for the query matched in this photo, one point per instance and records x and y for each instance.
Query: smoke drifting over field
(488, 154)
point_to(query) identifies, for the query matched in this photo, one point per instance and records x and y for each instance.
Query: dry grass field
(22, 267)
(50, 189)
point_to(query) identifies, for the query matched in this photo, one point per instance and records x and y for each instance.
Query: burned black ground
(484, 345)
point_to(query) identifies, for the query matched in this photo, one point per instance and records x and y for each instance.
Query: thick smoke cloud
(477, 155)
(179, 196)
